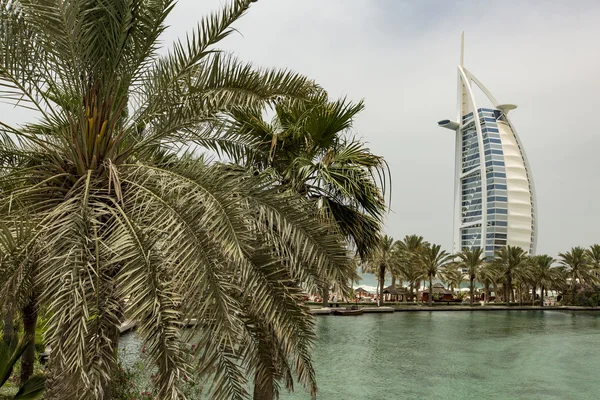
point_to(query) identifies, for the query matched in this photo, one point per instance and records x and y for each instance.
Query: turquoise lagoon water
(456, 355)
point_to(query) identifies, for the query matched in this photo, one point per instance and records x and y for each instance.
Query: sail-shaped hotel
(494, 199)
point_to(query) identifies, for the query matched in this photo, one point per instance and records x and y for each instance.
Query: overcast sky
(401, 56)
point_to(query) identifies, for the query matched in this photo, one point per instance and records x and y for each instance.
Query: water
(456, 355)
(460, 355)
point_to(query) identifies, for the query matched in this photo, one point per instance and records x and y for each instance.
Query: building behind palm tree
(494, 202)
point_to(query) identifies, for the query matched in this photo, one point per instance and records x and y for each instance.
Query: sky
(401, 56)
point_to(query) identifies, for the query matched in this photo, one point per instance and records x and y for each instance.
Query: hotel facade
(494, 198)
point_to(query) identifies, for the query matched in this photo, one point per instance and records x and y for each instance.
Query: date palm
(130, 222)
(472, 260)
(578, 268)
(407, 260)
(489, 275)
(509, 261)
(544, 275)
(452, 276)
(593, 254)
(433, 259)
(382, 260)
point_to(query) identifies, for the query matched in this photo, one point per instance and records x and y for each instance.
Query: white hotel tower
(494, 197)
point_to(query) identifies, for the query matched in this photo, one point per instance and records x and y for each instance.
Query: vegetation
(149, 187)
(382, 260)
(472, 260)
(511, 274)
(579, 268)
(10, 353)
(407, 261)
(433, 259)
(110, 210)
(307, 150)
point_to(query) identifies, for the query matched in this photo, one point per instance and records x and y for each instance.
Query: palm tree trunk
(411, 291)
(542, 297)
(573, 291)
(325, 296)
(9, 329)
(496, 291)
(264, 391)
(393, 280)
(487, 293)
(533, 290)
(381, 283)
(29, 324)
(430, 292)
(520, 294)
(507, 290)
(471, 289)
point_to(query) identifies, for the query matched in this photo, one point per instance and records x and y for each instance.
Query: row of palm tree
(149, 187)
(413, 260)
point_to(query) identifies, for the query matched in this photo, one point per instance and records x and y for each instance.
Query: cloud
(401, 56)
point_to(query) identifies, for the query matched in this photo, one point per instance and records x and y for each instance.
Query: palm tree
(509, 260)
(124, 207)
(489, 276)
(452, 276)
(307, 147)
(472, 260)
(543, 273)
(578, 266)
(381, 260)
(407, 263)
(433, 259)
(593, 254)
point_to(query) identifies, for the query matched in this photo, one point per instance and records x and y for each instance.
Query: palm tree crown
(578, 267)
(307, 146)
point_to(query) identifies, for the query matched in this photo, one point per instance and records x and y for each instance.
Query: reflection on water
(460, 355)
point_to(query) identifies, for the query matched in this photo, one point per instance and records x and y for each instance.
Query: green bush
(134, 382)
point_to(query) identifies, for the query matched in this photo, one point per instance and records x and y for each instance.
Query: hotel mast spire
(462, 49)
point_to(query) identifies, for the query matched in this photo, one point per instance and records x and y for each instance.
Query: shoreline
(394, 309)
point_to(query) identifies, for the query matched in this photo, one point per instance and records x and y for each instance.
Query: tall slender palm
(381, 260)
(579, 268)
(407, 260)
(124, 208)
(472, 260)
(543, 273)
(433, 259)
(509, 260)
